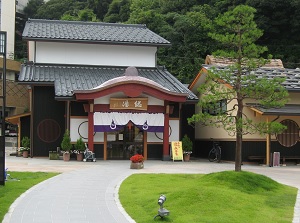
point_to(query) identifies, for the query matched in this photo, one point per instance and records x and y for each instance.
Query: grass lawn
(227, 196)
(21, 182)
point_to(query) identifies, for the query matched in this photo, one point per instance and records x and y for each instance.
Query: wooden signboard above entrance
(129, 103)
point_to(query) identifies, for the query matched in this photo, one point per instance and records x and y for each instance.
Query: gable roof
(292, 82)
(69, 78)
(92, 32)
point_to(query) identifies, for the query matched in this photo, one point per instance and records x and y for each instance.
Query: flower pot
(79, 157)
(66, 156)
(136, 165)
(25, 154)
(186, 157)
(53, 155)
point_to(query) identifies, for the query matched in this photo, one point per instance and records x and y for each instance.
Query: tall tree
(81, 15)
(100, 7)
(55, 9)
(118, 11)
(237, 32)
(32, 7)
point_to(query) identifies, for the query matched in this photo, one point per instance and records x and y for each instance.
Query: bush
(66, 142)
(25, 143)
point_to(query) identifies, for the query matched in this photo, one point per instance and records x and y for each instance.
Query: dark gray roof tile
(292, 75)
(57, 30)
(66, 79)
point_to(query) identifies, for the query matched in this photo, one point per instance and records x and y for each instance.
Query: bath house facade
(102, 82)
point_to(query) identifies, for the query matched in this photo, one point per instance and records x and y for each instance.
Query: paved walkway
(88, 192)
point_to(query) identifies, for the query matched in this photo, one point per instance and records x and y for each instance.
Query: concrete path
(88, 192)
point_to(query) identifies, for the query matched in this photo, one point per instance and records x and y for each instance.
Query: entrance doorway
(125, 143)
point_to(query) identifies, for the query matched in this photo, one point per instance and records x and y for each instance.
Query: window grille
(290, 136)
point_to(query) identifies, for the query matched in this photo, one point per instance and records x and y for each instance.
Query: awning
(287, 110)
(15, 119)
(114, 121)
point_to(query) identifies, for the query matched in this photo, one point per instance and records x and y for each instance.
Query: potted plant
(137, 161)
(79, 149)
(25, 142)
(66, 145)
(187, 147)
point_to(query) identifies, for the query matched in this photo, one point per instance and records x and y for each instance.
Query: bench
(284, 158)
(259, 159)
(262, 159)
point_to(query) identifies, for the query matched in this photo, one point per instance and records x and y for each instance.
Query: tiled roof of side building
(221, 61)
(67, 78)
(98, 32)
(292, 82)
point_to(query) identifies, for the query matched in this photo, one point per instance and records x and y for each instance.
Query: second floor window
(219, 107)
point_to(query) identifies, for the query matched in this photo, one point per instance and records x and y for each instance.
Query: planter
(66, 156)
(79, 157)
(136, 165)
(25, 154)
(53, 155)
(186, 157)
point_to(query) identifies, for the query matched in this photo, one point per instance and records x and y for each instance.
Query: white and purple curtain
(114, 121)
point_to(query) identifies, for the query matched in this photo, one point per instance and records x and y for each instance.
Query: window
(291, 135)
(219, 107)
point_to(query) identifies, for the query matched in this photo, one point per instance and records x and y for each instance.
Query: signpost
(2, 137)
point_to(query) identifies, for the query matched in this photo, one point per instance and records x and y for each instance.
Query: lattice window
(291, 135)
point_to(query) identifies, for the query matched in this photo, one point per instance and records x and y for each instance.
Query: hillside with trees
(186, 25)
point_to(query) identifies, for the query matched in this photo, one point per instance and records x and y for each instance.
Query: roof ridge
(86, 23)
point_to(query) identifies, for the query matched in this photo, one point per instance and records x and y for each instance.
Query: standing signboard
(177, 150)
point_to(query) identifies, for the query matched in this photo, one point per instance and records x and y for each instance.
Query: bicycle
(214, 154)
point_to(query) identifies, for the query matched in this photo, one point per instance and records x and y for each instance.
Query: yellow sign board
(177, 150)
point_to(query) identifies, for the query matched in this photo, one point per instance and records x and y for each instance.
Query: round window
(290, 136)
(48, 130)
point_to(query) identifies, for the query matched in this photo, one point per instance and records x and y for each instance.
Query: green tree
(187, 33)
(55, 9)
(81, 15)
(100, 7)
(31, 8)
(66, 142)
(237, 31)
(118, 11)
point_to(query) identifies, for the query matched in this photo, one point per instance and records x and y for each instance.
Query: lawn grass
(227, 196)
(20, 182)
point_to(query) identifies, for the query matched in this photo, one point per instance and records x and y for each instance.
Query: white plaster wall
(81, 125)
(31, 51)
(95, 54)
(174, 133)
(204, 132)
(294, 98)
(8, 12)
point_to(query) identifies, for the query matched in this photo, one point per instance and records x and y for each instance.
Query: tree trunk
(239, 133)
(238, 152)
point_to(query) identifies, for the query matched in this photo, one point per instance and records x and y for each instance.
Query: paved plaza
(88, 192)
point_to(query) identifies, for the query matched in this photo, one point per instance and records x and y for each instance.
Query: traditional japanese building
(102, 82)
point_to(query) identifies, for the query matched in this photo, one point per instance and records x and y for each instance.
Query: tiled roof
(67, 78)
(220, 61)
(292, 82)
(288, 109)
(113, 33)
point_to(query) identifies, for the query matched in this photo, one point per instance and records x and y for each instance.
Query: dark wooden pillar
(91, 128)
(166, 150)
